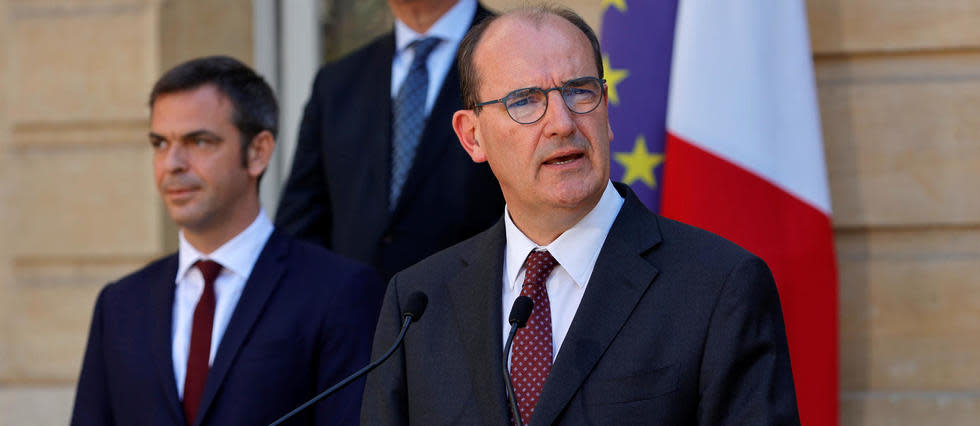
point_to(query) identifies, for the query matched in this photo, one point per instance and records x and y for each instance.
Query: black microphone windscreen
(521, 311)
(415, 305)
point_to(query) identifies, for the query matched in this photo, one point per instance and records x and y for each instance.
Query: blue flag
(637, 39)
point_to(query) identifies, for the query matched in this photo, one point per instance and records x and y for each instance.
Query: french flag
(714, 109)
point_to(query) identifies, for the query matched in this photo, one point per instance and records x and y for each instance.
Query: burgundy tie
(200, 352)
(531, 359)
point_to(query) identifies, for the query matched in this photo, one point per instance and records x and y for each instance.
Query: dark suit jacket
(337, 192)
(677, 327)
(303, 323)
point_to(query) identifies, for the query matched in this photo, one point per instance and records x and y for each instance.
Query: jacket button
(388, 239)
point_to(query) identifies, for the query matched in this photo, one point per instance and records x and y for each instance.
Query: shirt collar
(575, 249)
(237, 255)
(451, 26)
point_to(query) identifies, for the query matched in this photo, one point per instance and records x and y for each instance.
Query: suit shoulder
(446, 263)
(453, 254)
(443, 260)
(316, 264)
(309, 256)
(139, 279)
(690, 240)
(672, 245)
(702, 263)
(705, 257)
(137, 284)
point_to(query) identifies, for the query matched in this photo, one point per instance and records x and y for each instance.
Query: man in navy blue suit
(242, 324)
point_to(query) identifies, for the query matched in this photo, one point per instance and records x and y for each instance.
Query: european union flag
(637, 41)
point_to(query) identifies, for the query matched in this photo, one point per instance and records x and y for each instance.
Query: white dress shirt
(450, 29)
(237, 257)
(576, 251)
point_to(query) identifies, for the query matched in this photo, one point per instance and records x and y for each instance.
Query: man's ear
(467, 130)
(259, 153)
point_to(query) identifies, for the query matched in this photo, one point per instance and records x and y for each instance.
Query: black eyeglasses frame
(561, 89)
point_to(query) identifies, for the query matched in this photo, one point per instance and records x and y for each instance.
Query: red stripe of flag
(795, 240)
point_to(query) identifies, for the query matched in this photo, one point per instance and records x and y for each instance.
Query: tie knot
(423, 47)
(209, 269)
(538, 266)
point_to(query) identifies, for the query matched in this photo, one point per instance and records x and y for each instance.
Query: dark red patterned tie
(531, 360)
(200, 352)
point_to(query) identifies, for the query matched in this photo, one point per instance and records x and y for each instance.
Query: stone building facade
(899, 91)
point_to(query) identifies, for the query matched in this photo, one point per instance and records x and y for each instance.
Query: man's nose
(175, 157)
(558, 119)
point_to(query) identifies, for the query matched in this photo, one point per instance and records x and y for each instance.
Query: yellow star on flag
(639, 164)
(613, 77)
(620, 4)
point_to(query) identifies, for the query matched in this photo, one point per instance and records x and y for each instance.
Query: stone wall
(899, 88)
(78, 207)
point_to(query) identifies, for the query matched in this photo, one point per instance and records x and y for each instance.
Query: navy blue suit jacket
(304, 322)
(676, 327)
(337, 192)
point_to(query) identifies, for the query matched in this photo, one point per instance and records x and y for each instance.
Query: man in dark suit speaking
(242, 324)
(378, 175)
(637, 319)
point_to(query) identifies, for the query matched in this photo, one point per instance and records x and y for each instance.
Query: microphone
(414, 307)
(519, 313)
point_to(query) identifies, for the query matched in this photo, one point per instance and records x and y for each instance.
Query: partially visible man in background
(378, 174)
(242, 324)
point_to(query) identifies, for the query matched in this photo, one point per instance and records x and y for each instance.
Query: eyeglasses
(526, 106)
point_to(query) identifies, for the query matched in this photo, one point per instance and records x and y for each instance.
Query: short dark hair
(254, 107)
(468, 78)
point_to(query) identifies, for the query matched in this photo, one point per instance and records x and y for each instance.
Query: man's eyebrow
(564, 82)
(200, 132)
(189, 135)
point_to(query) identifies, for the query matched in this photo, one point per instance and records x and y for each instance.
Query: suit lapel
(620, 278)
(475, 295)
(265, 277)
(161, 339)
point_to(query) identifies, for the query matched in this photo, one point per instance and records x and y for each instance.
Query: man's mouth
(564, 159)
(180, 193)
(178, 190)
